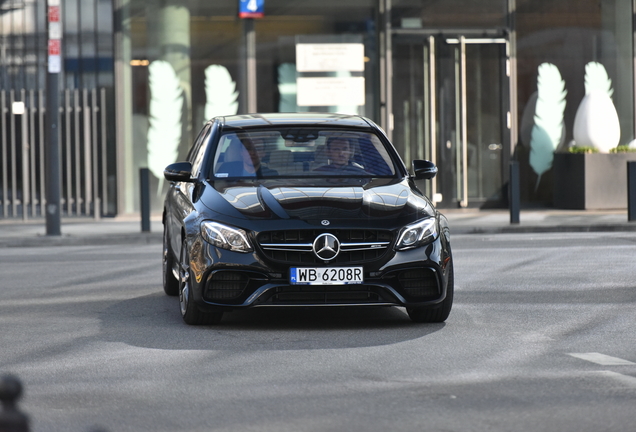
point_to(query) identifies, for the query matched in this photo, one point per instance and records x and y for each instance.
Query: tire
(437, 313)
(170, 282)
(189, 310)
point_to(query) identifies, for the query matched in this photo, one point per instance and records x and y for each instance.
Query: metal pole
(24, 123)
(514, 195)
(53, 180)
(631, 191)
(53, 215)
(249, 40)
(144, 194)
(432, 122)
(388, 69)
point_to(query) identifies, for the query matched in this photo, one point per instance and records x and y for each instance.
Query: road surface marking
(615, 376)
(601, 359)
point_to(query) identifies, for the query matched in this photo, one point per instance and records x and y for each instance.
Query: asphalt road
(542, 337)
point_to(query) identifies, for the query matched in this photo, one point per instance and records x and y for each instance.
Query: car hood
(378, 199)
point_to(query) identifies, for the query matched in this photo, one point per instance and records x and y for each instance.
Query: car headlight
(417, 234)
(225, 237)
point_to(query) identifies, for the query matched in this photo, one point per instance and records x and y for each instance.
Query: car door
(179, 201)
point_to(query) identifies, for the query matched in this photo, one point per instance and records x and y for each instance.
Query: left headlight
(417, 234)
(225, 237)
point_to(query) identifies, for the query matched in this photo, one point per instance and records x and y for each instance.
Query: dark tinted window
(301, 152)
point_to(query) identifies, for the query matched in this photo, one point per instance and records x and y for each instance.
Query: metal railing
(83, 144)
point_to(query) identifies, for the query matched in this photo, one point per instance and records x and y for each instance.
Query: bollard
(11, 419)
(514, 192)
(631, 191)
(144, 196)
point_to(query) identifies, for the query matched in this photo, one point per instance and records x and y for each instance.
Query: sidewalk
(127, 230)
(80, 231)
(475, 221)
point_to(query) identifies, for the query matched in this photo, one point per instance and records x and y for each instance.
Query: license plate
(325, 275)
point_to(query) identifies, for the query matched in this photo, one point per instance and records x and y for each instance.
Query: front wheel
(438, 313)
(189, 311)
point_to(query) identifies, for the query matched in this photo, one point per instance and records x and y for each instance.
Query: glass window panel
(70, 44)
(570, 34)
(431, 14)
(212, 70)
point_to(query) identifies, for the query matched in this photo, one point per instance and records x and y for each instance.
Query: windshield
(301, 152)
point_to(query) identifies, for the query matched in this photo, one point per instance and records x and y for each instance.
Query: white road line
(601, 359)
(615, 376)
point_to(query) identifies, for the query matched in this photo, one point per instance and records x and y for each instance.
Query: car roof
(294, 119)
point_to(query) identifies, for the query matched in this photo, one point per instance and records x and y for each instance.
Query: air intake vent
(419, 283)
(224, 285)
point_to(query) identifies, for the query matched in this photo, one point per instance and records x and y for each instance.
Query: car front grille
(295, 246)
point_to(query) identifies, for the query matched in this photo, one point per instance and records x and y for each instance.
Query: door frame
(461, 37)
(461, 111)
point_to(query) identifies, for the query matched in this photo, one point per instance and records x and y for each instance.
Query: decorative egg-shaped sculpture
(596, 123)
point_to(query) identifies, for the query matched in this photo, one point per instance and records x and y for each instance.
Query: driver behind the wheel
(339, 152)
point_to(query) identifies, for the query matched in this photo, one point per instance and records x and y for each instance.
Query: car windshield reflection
(275, 154)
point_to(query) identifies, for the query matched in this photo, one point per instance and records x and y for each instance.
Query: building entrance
(451, 106)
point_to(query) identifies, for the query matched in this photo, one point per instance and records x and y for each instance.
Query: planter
(591, 181)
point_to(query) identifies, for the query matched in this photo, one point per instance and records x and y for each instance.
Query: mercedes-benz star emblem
(326, 246)
(325, 222)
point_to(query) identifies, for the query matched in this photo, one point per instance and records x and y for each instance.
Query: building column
(123, 107)
(169, 40)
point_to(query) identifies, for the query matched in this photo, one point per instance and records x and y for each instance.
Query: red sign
(54, 14)
(55, 46)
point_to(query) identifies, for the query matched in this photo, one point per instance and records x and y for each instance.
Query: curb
(543, 229)
(71, 240)
(140, 238)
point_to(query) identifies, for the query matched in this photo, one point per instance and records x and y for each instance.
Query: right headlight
(225, 237)
(417, 234)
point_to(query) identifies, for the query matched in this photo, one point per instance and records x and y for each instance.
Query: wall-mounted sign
(55, 36)
(330, 72)
(330, 91)
(18, 108)
(251, 8)
(328, 57)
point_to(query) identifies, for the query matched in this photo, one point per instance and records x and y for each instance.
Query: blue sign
(251, 8)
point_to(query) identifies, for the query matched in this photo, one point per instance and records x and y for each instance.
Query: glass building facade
(458, 82)
(88, 182)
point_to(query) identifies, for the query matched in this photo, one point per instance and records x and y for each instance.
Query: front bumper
(233, 280)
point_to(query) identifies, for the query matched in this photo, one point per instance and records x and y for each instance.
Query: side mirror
(424, 169)
(178, 172)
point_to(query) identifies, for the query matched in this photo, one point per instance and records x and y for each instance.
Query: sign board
(17, 108)
(55, 36)
(329, 57)
(251, 8)
(55, 47)
(329, 91)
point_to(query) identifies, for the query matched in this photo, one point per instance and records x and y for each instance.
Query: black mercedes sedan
(303, 209)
